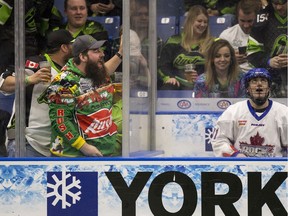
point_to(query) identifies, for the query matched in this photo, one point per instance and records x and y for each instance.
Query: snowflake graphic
(65, 190)
(208, 137)
(209, 134)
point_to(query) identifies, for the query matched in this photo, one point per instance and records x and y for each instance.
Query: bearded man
(80, 101)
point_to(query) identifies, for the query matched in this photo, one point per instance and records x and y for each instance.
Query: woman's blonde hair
(210, 69)
(188, 34)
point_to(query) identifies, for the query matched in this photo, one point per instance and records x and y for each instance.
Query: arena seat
(59, 4)
(217, 24)
(166, 27)
(110, 23)
(181, 23)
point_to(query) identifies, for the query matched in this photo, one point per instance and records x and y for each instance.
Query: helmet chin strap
(258, 101)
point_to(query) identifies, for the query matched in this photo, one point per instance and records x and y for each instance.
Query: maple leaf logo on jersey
(257, 148)
(257, 140)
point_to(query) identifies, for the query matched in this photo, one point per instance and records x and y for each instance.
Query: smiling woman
(222, 77)
(189, 47)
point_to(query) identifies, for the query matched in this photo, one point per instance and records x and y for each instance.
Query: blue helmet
(257, 72)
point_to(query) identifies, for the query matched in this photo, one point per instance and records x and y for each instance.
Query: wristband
(119, 55)
(268, 62)
(26, 80)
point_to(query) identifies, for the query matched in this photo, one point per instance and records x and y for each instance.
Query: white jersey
(237, 38)
(241, 129)
(38, 131)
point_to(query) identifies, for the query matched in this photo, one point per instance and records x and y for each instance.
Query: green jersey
(79, 113)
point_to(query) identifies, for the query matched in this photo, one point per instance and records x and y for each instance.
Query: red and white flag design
(31, 64)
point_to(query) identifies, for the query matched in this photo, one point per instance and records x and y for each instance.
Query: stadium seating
(170, 8)
(59, 4)
(217, 24)
(111, 24)
(166, 27)
(181, 23)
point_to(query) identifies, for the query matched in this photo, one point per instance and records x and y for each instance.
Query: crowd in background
(217, 64)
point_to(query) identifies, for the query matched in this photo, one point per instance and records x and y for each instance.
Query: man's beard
(97, 74)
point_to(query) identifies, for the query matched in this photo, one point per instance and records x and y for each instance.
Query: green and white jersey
(80, 113)
(267, 39)
(174, 58)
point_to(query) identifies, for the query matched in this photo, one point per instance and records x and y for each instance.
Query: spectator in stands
(36, 21)
(4, 119)
(214, 7)
(83, 91)
(38, 129)
(267, 45)
(139, 72)
(222, 77)
(187, 48)
(106, 8)
(238, 34)
(77, 22)
(256, 127)
(140, 24)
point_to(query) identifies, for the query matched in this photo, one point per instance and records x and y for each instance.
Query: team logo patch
(257, 147)
(69, 193)
(184, 104)
(223, 104)
(242, 122)
(57, 145)
(98, 124)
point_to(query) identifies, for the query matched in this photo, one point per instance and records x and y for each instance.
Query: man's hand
(241, 58)
(90, 151)
(42, 75)
(102, 8)
(279, 61)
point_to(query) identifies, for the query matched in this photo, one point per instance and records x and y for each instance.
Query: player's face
(76, 13)
(246, 21)
(200, 24)
(222, 60)
(258, 87)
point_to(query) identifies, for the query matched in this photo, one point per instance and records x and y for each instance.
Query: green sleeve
(5, 12)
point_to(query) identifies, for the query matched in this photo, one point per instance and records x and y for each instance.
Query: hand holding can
(190, 73)
(47, 65)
